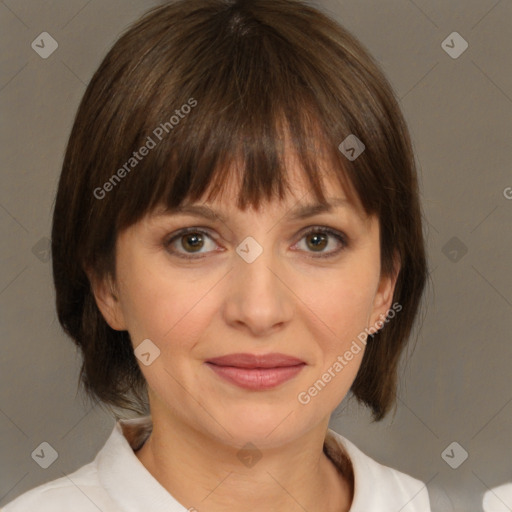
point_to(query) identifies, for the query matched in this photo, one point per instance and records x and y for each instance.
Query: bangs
(233, 108)
(187, 116)
(207, 156)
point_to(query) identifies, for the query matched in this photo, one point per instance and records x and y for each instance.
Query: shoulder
(376, 485)
(80, 491)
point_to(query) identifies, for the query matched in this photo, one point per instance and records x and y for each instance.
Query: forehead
(299, 199)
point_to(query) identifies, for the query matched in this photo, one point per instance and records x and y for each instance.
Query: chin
(263, 424)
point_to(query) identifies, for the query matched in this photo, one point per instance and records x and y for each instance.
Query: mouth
(256, 372)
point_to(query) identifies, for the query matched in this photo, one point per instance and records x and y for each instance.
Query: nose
(259, 300)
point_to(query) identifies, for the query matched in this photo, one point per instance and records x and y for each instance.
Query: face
(257, 283)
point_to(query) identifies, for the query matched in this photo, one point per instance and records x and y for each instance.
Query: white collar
(133, 488)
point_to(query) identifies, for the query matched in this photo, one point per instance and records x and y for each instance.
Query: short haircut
(203, 84)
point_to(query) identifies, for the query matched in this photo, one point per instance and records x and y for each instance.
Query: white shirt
(116, 481)
(498, 499)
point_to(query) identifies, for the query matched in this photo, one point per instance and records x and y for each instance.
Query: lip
(256, 372)
(274, 360)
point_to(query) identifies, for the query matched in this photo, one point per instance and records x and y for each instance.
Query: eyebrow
(302, 211)
(308, 210)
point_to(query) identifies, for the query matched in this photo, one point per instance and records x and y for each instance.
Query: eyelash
(341, 237)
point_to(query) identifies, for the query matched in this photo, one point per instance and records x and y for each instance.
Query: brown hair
(204, 83)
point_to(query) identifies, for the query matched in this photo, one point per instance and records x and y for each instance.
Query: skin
(286, 301)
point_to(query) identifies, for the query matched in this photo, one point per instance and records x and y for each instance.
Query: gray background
(456, 386)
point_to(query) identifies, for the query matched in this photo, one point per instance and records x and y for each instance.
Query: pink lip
(256, 372)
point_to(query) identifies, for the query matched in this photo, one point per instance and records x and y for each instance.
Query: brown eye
(317, 241)
(188, 242)
(192, 241)
(318, 238)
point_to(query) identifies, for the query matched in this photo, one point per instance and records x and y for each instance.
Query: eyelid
(175, 235)
(340, 236)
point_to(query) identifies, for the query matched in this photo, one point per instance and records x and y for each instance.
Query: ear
(107, 300)
(384, 294)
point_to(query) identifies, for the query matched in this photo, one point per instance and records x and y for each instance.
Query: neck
(205, 474)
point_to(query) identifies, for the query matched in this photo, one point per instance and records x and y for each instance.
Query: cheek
(340, 309)
(162, 306)
(342, 302)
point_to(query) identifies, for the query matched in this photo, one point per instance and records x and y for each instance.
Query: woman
(237, 244)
